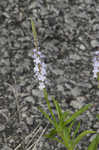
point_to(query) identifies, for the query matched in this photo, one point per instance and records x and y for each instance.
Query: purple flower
(41, 86)
(37, 60)
(40, 68)
(96, 64)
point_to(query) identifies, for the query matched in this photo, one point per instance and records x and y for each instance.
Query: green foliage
(64, 125)
(81, 135)
(94, 143)
(76, 114)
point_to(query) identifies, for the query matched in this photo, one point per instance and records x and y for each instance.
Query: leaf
(80, 136)
(67, 136)
(52, 133)
(46, 115)
(66, 139)
(70, 126)
(76, 130)
(59, 111)
(94, 143)
(63, 117)
(49, 107)
(65, 114)
(76, 114)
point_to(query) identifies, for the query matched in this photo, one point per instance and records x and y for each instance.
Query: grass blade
(76, 114)
(66, 138)
(70, 126)
(51, 134)
(65, 114)
(49, 107)
(46, 115)
(76, 130)
(94, 143)
(59, 111)
(81, 135)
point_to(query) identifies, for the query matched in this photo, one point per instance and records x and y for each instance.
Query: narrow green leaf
(46, 115)
(70, 126)
(76, 130)
(76, 114)
(66, 139)
(66, 134)
(65, 114)
(61, 121)
(59, 111)
(81, 135)
(94, 144)
(49, 107)
(51, 134)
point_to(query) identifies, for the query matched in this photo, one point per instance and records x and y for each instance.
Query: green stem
(65, 141)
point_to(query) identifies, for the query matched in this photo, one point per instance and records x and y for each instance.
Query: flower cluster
(40, 68)
(96, 64)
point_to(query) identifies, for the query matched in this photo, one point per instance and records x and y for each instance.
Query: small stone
(60, 88)
(24, 116)
(29, 99)
(96, 27)
(82, 47)
(6, 147)
(75, 91)
(94, 43)
(37, 93)
(92, 137)
(96, 125)
(77, 104)
(75, 57)
(97, 8)
(2, 127)
(29, 120)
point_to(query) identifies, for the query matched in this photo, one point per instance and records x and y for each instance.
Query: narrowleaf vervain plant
(62, 130)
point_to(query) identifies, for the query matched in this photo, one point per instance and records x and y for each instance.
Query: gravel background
(68, 33)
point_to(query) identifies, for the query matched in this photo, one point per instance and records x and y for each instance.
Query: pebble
(94, 43)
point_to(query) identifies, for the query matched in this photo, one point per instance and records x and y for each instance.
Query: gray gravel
(68, 34)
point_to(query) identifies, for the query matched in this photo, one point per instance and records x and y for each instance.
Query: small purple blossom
(37, 60)
(40, 68)
(96, 64)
